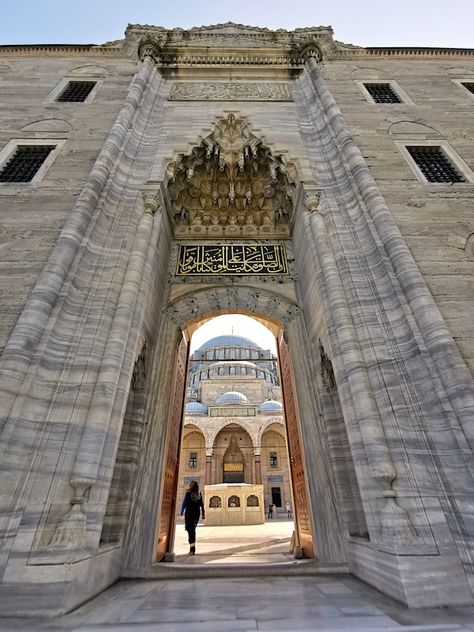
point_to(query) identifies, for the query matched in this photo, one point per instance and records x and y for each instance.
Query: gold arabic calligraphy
(232, 259)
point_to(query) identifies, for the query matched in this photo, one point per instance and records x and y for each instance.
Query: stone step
(197, 569)
(335, 625)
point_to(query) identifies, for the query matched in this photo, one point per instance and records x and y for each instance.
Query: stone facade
(375, 305)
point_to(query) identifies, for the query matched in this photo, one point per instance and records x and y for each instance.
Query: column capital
(150, 47)
(309, 50)
(311, 199)
(150, 201)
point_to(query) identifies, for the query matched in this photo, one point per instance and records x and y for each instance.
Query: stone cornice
(414, 51)
(232, 44)
(59, 50)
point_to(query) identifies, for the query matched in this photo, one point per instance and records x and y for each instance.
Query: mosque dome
(195, 408)
(232, 397)
(271, 406)
(229, 341)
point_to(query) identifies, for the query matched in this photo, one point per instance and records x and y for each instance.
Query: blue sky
(363, 22)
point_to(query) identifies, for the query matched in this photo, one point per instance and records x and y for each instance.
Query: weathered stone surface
(378, 315)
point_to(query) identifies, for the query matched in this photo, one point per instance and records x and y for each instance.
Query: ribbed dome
(229, 341)
(232, 397)
(195, 408)
(271, 406)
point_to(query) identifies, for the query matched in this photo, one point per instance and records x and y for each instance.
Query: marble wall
(376, 317)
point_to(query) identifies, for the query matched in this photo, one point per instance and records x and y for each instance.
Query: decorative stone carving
(311, 200)
(231, 184)
(327, 372)
(139, 371)
(150, 47)
(150, 201)
(230, 91)
(239, 299)
(309, 50)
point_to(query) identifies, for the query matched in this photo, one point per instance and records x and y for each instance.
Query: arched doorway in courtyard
(234, 444)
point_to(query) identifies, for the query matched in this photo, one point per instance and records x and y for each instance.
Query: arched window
(252, 501)
(234, 501)
(215, 502)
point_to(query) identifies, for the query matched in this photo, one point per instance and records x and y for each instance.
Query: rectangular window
(434, 164)
(193, 460)
(382, 93)
(273, 460)
(76, 91)
(25, 162)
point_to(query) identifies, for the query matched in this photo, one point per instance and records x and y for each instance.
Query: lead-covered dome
(271, 406)
(232, 397)
(195, 408)
(229, 341)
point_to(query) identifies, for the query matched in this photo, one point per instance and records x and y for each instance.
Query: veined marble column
(396, 524)
(70, 535)
(27, 333)
(451, 368)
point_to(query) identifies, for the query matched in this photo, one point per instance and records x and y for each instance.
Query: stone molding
(190, 307)
(271, 54)
(230, 91)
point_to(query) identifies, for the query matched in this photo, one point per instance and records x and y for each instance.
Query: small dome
(271, 406)
(195, 408)
(229, 341)
(232, 397)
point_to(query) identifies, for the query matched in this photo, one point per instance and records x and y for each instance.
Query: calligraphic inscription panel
(229, 259)
(232, 412)
(230, 91)
(233, 467)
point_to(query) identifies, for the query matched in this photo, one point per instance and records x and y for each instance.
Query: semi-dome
(271, 406)
(229, 341)
(232, 397)
(195, 408)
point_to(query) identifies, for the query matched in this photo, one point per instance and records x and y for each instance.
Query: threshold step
(198, 568)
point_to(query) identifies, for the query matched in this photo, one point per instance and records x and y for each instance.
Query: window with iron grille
(24, 163)
(469, 86)
(382, 93)
(273, 459)
(193, 460)
(76, 91)
(434, 164)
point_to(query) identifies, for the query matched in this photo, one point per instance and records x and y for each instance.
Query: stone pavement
(275, 601)
(323, 603)
(243, 544)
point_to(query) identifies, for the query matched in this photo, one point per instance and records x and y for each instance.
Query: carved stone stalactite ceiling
(231, 185)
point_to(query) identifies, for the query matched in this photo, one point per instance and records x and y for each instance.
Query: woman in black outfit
(191, 507)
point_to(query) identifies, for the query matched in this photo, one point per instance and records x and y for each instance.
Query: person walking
(288, 509)
(192, 506)
(270, 510)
